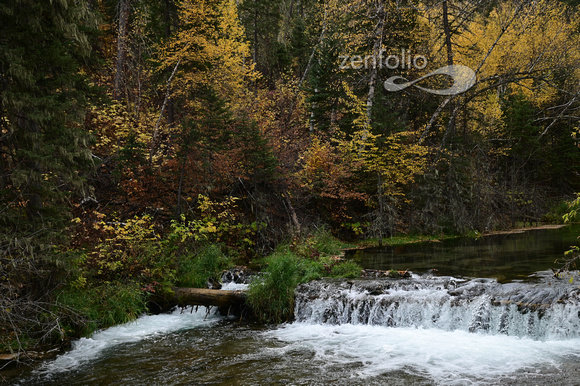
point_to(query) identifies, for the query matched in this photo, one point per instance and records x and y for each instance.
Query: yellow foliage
(396, 158)
(538, 40)
(113, 124)
(210, 50)
(217, 220)
(519, 46)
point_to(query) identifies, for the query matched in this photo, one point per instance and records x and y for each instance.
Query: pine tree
(43, 147)
(44, 157)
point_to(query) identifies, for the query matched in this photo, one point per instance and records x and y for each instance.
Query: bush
(197, 270)
(271, 296)
(557, 211)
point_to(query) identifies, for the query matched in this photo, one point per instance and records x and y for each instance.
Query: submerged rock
(238, 274)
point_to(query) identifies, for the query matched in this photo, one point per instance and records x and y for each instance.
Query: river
(515, 324)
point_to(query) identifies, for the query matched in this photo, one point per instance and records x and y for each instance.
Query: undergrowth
(271, 295)
(197, 270)
(101, 306)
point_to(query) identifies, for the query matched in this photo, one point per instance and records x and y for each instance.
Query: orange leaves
(326, 176)
(319, 163)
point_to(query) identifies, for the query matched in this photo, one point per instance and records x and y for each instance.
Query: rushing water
(420, 331)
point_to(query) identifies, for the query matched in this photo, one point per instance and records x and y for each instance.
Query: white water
(544, 311)
(445, 357)
(448, 330)
(231, 286)
(145, 327)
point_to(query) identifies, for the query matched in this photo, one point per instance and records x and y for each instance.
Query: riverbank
(321, 255)
(524, 229)
(420, 238)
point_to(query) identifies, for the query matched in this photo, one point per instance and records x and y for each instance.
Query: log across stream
(208, 297)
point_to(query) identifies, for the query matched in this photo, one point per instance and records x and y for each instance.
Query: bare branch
(167, 95)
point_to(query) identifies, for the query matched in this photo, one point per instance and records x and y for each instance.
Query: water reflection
(506, 257)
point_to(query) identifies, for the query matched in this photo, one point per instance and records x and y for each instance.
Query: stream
(491, 314)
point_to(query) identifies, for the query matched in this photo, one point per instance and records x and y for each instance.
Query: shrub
(197, 270)
(271, 296)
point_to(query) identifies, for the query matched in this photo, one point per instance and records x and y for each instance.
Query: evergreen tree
(43, 147)
(44, 157)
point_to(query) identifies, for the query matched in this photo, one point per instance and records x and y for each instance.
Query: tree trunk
(122, 37)
(293, 215)
(378, 46)
(447, 31)
(255, 36)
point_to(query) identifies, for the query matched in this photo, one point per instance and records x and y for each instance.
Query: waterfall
(545, 310)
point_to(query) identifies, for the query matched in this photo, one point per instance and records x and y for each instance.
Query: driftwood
(208, 297)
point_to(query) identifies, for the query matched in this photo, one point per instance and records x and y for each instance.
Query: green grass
(196, 270)
(271, 295)
(93, 308)
(346, 269)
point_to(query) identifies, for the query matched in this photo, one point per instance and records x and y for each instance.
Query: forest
(149, 144)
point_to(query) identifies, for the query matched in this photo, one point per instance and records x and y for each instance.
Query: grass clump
(271, 296)
(347, 269)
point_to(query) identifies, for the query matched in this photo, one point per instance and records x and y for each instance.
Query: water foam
(231, 286)
(444, 357)
(447, 330)
(85, 350)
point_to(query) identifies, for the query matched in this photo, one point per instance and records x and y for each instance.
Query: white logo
(463, 79)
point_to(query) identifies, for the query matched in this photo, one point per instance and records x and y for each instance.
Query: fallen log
(208, 297)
